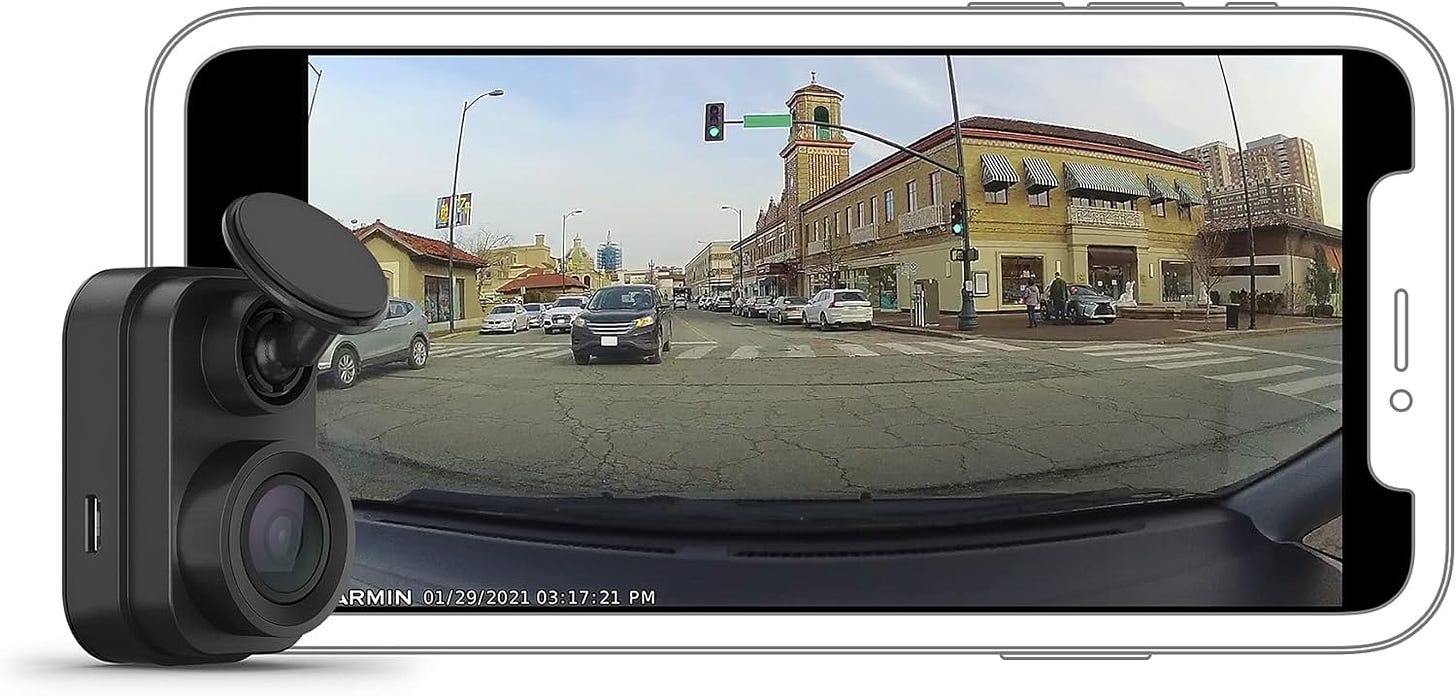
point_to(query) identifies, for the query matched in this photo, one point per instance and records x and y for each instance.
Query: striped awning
(1160, 189)
(1188, 193)
(1039, 175)
(1103, 181)
(997, 172)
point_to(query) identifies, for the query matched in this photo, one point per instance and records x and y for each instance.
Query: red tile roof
(539, 279)
(420, 246)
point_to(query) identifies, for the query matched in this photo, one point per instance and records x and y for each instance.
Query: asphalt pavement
(743, 408)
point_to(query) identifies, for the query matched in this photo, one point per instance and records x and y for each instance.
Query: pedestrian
(1032, 297)
(1058, 292)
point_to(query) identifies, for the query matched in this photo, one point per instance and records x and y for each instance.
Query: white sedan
(842, 307)
(506, 318)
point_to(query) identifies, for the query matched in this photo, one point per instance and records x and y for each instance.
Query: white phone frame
(1409, 450)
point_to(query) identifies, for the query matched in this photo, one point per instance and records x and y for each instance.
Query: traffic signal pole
(966, 320)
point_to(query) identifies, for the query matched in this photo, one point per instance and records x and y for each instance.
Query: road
(742, 408)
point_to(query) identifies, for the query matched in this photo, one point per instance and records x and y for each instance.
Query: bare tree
(1203, 251)
(489, 246)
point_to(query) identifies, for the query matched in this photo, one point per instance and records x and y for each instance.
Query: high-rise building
(1283, 177)
(609, 255)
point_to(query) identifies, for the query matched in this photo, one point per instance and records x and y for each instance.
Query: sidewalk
(1014, 326)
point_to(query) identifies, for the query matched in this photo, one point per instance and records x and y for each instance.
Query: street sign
(957, 254)
(768, 120)
(462, 211)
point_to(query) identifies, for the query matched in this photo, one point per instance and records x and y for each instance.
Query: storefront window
(878, 283)
(438, 304)
(1016, 273)
(1177, 281)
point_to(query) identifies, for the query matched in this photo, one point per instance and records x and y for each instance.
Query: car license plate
(609, 340)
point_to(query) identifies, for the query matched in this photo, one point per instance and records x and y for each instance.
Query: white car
(559, 317)
(841, 307)
(506, 318)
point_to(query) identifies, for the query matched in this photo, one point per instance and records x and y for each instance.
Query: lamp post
(966, 321)
(738, 277)
(454, 182)
(1244, 171)
(564, 218)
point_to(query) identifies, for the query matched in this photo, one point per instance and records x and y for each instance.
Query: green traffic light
(713, 131)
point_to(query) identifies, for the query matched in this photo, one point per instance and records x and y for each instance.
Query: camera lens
(285, 538)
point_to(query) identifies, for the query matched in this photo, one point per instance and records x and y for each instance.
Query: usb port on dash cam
(93, 524)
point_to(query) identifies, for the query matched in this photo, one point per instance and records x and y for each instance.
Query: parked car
(757, 307)
(1085, 303)
(724, 303)
(562, 311)
(786, 309)
(506, 318)
(840, 307)
(622, 320)
(533, 314)
(680, 302)
(403, 335)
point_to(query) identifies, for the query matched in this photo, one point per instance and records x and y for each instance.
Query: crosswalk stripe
(1300, 386)
(1109, 346)
(469, 352)
(902, 348)
(855, 350)
(1182, 355)
(952, 347)
(522, 352)
(1138, 351)
(996, 345)
(1199, 363)
(1336, 405)
(555, 354)
(744, 353)
(1251, 349)
(695, 352)
(800, 350)
(1260, 374)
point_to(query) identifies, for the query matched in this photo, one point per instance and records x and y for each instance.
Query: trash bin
(1231, 316)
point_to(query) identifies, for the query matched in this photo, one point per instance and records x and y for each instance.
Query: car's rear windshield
(533, 307)
(849, 296)
(569, 302)
(504, 309)
(793, 300)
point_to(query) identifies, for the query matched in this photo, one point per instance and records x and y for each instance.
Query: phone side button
(1402, 330)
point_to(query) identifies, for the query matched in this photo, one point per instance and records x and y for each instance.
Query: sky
(620, 137)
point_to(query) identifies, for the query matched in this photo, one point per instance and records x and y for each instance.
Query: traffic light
(713, 122)
(958, 218)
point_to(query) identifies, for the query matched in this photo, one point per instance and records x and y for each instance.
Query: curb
(1217, 335)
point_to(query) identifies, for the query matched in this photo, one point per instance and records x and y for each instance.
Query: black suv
(622, 321)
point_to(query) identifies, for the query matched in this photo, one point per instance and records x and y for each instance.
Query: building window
(438, 299)
(889, 206)
(834, 231)
(1185, 212)
(821, 115)
(848, 218)
(1157, 208)
(910, 196)
(1016, 273)
(1039, 200)
(1177, 281)
(996, 196)
(859, 213)
(872, 210)
(935, 188)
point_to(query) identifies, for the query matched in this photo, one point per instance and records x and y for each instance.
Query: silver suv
(403, 335)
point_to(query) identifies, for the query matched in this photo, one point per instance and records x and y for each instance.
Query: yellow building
(582, 268)
(417, 268)
(710, 272)
(508, 263)
(1102, 209)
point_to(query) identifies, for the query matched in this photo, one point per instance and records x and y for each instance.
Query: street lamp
(564, 218)
(738, 278)
(454, 182)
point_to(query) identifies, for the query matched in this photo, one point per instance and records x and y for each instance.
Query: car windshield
(844, 348)
(620, 298)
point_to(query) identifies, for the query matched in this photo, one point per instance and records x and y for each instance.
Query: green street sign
(767, 120)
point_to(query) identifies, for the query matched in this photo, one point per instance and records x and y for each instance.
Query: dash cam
(200, 523)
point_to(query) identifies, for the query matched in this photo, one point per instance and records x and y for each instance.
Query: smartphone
(720, 330)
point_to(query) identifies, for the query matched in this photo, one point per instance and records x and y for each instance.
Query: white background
(75, 76)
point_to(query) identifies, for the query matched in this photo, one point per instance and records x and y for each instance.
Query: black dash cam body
(200, 525)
